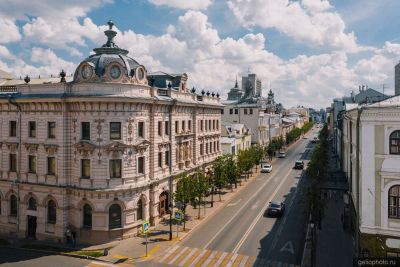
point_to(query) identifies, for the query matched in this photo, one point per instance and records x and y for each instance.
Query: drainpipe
(13, 102)
(359, 112)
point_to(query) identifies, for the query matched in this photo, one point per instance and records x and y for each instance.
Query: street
(241, 233)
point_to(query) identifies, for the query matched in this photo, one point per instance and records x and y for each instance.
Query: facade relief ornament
(32, 148)
(115, 147)
(12, 146)
(163, 145)
(51, 149)
(141, 147)
(85, 148)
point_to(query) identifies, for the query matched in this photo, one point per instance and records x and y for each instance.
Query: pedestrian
(68, 235)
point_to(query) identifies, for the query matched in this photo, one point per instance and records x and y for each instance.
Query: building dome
(110, 64)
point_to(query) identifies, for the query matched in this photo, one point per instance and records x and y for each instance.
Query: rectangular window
(189, 125)
(115, 168)
(209, 125)
(31, 164)
(141, 129)
(205, 125)
(251, 111)
(167, 158)
(231, 111)
(245, 111)
(214, 125)
(51, 129)
(217, 122)
(206, 148)
(85, 130)
(201, 149)
(222, 111)
(183, 126)
(13, 128)
(13, 163)
(51, 165)
(140, 165)
(236, 111)
(32, 129)
(159, 159)
(166, 128)
(115, 131)
(201, 125)
(160, 128)
(176, 127)
(85, 168)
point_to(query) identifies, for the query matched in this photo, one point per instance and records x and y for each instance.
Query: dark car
(299, 165)
(276, 208)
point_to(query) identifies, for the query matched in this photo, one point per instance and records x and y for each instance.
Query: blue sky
(308, 51)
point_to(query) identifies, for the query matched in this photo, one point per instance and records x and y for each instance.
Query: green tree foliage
(185, 191)
(200, 186)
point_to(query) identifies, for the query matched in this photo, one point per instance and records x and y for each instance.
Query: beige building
(97, 154)
(234, 137)
(371, 156)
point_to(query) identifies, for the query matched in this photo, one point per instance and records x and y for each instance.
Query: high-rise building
(251, 85)
(397, 79)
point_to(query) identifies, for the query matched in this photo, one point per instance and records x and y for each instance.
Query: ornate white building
(371, 157)
(97, 154)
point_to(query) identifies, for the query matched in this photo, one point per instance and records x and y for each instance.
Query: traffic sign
(178, 215)
(146, 227)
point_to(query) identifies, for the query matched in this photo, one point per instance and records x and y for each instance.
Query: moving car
(276, 208)
(266, 168)
(299, 164)
(282, 154)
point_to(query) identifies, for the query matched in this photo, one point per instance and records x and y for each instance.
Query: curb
(60, 253)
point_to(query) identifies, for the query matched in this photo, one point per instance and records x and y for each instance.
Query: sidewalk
(334, 246)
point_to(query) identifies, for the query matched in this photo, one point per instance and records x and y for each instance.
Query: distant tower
(397, 79)
(251, 85)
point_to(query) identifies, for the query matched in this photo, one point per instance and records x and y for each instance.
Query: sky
(307, 51)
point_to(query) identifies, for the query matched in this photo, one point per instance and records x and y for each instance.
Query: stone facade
(97, 154)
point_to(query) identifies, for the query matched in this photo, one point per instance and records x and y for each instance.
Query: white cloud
(307, 21)
(183, 4)
(5, 53)
(9, 31)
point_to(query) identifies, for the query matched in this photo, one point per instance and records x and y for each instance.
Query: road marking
(255, 205)
(198, 258)
(235, 203)
(212, 256)
(169, 253)
(243, 262)
(178, 255)
(240, 243)
(287, 247)
(232, 260)
(221, 259)
(275, 175)
(188, 257)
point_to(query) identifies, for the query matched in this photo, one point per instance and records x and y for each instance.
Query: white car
(266, 168)
(282, 154)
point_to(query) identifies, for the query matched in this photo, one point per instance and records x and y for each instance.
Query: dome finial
(110, 24)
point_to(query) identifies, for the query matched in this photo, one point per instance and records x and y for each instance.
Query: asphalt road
(241, 230)
(23, 258)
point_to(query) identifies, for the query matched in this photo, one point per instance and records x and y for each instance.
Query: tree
(184, 192)
(231, 170)
(201, 184)
(219, 178)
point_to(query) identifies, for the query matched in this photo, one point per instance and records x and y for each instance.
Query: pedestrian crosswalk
(128, 263)
(196, 257)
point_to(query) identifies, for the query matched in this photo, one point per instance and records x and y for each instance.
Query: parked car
(266, 168)
(276, 208)
(282, 154)
(299, 164)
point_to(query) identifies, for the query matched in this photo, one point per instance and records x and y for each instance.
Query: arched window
(51, 212)
(32, 204)
(13, 205)
(87, 216)
(394, 197)
(139, 210)
(114, 217)
(395, 142)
